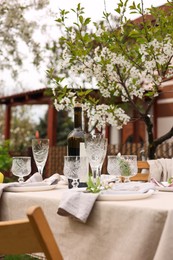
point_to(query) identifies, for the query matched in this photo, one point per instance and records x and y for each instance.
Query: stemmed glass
(96, 148)
(40, 149)
(74, 166)
(128, 166)
(21, 167)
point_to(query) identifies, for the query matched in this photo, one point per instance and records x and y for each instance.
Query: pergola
(35, 97)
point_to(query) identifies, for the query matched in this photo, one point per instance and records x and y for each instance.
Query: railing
(55, 162)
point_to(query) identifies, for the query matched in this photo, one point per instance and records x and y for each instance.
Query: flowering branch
(127, 62)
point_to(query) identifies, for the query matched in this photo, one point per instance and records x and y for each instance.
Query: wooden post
(7, 122)
(52, 125)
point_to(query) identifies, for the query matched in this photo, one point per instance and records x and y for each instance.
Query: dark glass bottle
(75, 139)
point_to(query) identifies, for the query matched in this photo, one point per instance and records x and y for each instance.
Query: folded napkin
(130, 188)
(155, 169)
(35, 180)
(161, 169)
(77, 204)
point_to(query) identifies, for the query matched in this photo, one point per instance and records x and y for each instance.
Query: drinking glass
(113, 167)
(40, 149)
(96, 148)
(128, 166)
(21, 167)
(74, 167)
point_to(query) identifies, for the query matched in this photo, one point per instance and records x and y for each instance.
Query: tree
(22, 129)
(17, 36)
(64, 127)
(126, 61)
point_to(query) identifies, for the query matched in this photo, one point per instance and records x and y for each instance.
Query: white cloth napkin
(130, 188)
(35, 180)
(161, 169)
(77, 204)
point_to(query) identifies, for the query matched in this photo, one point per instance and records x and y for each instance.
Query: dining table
(118, 229)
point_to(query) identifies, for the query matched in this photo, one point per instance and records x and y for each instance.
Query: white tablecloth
(115, 230)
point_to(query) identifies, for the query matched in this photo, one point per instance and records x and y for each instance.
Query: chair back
(143, 171)
(30, 235)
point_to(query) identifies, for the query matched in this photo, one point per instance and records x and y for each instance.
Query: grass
(18, 257)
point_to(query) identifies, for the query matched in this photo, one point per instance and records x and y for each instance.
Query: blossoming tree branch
(125, 61)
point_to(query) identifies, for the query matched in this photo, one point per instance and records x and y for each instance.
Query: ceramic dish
(166, 188)
(31, 188)
(125, 196)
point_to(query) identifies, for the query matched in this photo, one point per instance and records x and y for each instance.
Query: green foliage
(63, 128)
(124, 167)
(19, 257)
(93, 186)
(125, 60)
(23, 129)
(125, 38)
(5, 158)
(16, 31)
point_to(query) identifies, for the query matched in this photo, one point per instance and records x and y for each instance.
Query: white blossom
(116, 75)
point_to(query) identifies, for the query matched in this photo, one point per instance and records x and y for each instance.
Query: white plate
(165, 188)
(132, 196)
(31, 188)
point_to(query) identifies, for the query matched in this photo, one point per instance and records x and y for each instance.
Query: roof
(38, 96)
(164, 7)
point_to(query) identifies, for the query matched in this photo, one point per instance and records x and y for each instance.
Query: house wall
(164, 109)
(164, 124)
(161, 115)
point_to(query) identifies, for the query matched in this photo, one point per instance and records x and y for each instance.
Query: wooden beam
(52, 125)
(7, 122)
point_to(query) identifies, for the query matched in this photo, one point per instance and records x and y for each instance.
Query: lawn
(17, 257)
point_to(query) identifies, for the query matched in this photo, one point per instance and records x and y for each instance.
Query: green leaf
(92, 186)
(81, 19)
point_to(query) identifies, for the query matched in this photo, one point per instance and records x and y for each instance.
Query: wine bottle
(75, 139)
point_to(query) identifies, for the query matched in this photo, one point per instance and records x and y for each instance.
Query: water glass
(113, 166)
(128, 166)
(21, 167)
(74, 168)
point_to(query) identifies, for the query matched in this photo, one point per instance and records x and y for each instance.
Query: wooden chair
(142, 165)
(30, 235)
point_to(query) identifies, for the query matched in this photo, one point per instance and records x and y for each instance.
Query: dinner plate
(31, 188)
(125, 196)
(165, 188)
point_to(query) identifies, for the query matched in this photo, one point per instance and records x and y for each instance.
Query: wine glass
(21, 167)
(74, 166)
(40, 148)
(128, 166)
(96, 148)
(113, 167)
